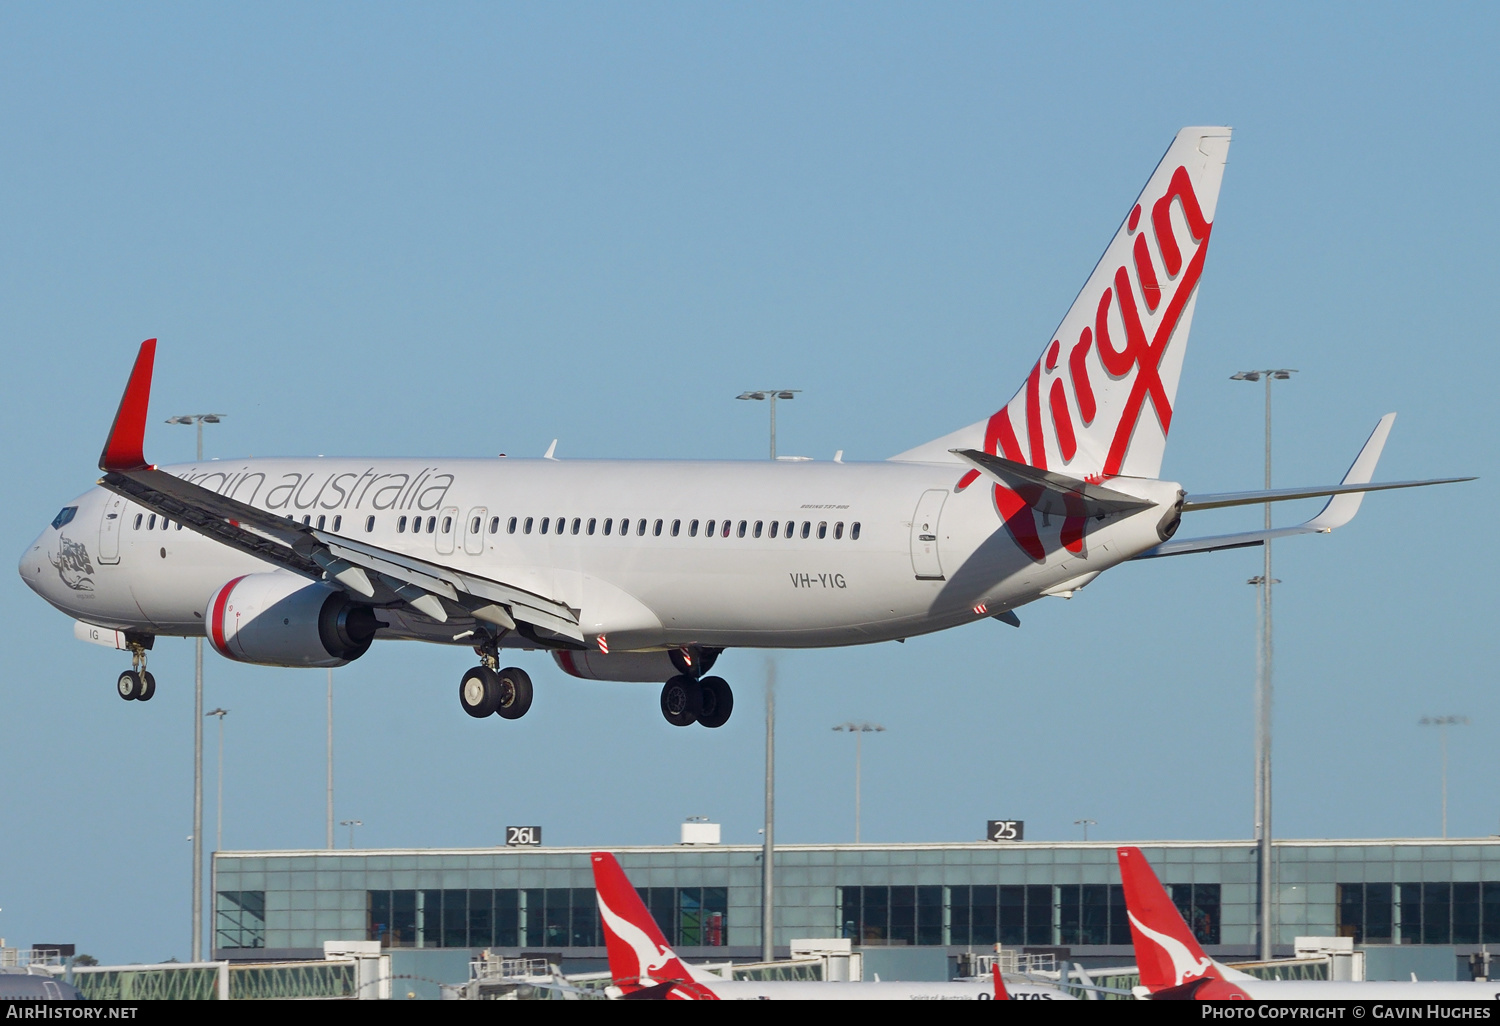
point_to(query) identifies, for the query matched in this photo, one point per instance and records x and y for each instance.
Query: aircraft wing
(372, 572)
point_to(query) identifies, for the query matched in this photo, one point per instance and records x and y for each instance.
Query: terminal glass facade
(958, 896)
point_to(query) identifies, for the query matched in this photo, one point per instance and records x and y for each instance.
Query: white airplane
(643, 966)
(1173, 966)
(647, 570)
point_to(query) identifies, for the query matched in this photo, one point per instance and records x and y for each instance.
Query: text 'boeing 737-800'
(647, 570)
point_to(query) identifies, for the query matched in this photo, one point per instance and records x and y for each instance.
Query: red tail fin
(1165, 949)
(123, 450)
(639, 956)
(1001, 994)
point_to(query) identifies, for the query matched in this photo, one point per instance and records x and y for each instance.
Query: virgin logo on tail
(1118, 352)
(639, 956)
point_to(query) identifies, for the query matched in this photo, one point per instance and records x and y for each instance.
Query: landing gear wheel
(129, 685)
(514, 693)
(148, 687)
(479, 692)
(717, 701)
(681, 701)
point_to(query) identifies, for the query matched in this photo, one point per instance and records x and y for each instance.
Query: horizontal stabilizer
(1049, 492)
(1221, 500)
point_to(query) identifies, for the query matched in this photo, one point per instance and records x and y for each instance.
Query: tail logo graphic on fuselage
(1134, 321)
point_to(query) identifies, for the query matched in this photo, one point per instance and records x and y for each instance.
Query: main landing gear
(136, 684)
(685, 701)
(486, 690)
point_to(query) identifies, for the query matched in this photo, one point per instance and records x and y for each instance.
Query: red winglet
(123, 450)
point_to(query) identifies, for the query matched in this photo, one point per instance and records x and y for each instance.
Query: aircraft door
(474, 530)
(109, 529)
(924, 535)
(447, 524)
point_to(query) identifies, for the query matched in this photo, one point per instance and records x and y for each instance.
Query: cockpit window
(64, 516)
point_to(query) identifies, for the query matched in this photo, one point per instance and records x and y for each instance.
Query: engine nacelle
(279, 619)
(637, 667)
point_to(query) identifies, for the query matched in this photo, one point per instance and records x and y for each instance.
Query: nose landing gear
(685, 701)
(136, 684)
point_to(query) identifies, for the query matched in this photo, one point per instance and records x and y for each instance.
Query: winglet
(127, 437)
(639, 956)
(1341, 508)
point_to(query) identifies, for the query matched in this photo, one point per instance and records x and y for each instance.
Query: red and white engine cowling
(637, 667)
(280, 619)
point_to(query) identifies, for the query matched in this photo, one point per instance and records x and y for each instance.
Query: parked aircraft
(1173, 966)
(647, 570)
(644, 966)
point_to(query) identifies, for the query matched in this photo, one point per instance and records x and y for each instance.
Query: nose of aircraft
(34, 564)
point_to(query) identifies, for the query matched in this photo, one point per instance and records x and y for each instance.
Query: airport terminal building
(1413, 905)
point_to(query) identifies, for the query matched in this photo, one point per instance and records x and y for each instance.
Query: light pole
(772, 394)
(198, 420)
(219, 818)
(330, 759)
(1442, 723)
(1263, 690)
(858, 730)
(351, 824)
(1085, 823)
(768, 842)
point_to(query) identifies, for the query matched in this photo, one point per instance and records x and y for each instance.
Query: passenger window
(474, 526)
(692, 528)
(543, 528)
(822, 530)
(838, 530)
(725, 529)
(854, 531)
(447, 525)
(338, 522)
(708, 529)
(400, 524)
(806, 528)
(369, 524)
(179, 525)
(322, 522)
(791, 528)
(759, 525)
(577, 523)
(151, 523)
(774, 525)
(741, 531)
(494, 525)
(676, 528)
(593, 523)
(609, 523)
(527, 529)
(640, 529)
(431, 524)
(656, 531)
(510, 527)
(138, 518)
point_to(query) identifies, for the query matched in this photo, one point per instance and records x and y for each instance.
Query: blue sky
(460, 230)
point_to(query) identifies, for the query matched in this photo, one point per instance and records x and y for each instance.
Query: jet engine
(637, 667)
(280, 619)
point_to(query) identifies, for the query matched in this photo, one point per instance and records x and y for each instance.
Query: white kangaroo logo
(1183, 963)
(649, 955)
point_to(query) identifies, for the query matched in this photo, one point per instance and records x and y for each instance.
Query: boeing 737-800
(647, 570)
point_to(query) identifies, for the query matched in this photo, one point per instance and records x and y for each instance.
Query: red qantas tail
(1171, 962)
(640, 959)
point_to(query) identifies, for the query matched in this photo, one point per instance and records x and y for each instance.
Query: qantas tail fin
(1171, 962)
(1098, 402)
(640, 959)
